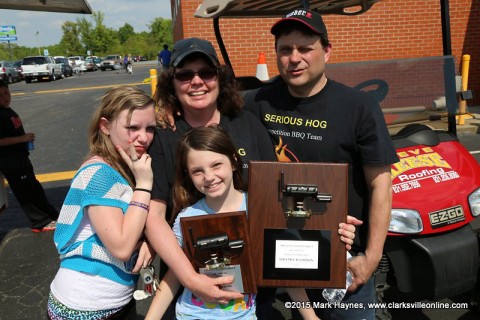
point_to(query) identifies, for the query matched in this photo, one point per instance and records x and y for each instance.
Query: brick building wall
(389, 30)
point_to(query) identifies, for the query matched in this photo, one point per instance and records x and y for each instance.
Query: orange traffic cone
(262, 72)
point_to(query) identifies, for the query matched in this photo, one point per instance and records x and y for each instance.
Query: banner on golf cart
(418, 167)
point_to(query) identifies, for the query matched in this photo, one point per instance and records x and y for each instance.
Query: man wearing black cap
(321, 120)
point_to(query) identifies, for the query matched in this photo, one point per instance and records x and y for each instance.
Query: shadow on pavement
(29, 261)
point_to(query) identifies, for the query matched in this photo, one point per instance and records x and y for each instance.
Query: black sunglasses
(206, 74)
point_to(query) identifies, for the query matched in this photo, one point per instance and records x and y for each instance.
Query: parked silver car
(90, 65)
(112, 62)
(18, 66)
(8, 72)
(67, 70)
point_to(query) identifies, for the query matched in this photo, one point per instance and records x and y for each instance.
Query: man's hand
(207, 289)
(347, 231)
(363, 266)
(362, 269)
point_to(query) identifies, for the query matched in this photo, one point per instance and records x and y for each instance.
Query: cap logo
(299, 13)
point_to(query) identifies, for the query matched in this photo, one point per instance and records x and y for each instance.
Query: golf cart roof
(275, 8)
(68, 6)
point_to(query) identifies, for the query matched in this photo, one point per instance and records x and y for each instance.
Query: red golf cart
(431, 251)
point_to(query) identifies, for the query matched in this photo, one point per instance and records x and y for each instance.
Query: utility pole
(10, 50)
(36, 34)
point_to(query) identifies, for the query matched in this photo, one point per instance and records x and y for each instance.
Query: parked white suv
(40, 67)
(77, 62)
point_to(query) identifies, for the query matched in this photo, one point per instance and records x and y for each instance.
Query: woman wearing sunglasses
(199, 91)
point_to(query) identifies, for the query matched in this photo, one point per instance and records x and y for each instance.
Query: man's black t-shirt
(13, 155)
(339, 125)
(247, 132)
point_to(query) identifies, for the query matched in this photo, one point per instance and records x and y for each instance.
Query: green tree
(92, 34)
(161, 32)
(125, 32)
(20, 52)
(4, 51)
(105, 38)
(56, 50)
(70, 42)
(86, 31)
(143, 42)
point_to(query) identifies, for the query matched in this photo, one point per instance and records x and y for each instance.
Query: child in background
(208, 181)
(103, 217)
(18, 170)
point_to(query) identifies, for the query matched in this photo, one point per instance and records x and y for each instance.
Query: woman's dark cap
(185, 47)
(309, 18)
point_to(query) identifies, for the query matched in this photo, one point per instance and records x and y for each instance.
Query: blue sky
(48, 24)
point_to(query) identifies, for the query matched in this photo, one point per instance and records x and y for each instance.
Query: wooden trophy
(294, 210)
(218, 245)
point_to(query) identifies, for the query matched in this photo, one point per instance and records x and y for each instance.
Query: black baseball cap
(185, 47)
(309, 18)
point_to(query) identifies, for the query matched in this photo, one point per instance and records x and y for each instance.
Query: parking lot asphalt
(29, 261)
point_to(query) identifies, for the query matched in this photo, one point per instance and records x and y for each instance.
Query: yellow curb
(85, 88)
(75, 89)
(54, 176)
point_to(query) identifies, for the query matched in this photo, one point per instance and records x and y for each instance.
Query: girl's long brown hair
(112, 104)
(211, 138)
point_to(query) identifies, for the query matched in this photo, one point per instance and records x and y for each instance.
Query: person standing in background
(18, 170)
(164, 57)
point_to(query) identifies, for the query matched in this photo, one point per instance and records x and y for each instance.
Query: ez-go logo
(447, 216)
